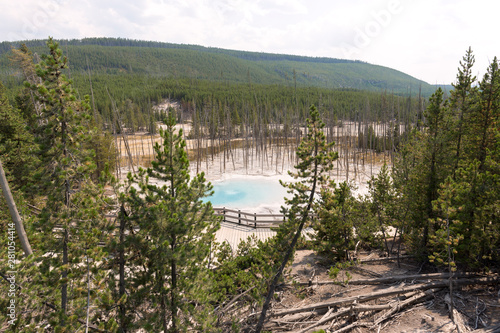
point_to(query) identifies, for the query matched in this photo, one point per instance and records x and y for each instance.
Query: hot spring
(251, 194)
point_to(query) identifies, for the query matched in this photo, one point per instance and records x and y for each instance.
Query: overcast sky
(423, 38)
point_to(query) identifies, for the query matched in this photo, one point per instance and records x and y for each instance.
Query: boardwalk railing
(251, 219)
(248, 219)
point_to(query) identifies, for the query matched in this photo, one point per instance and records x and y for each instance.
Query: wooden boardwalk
(250, 219)
(234, 233)
(237, 226)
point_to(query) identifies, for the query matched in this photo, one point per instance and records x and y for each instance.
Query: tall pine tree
(335, 228)
(461, 103)
(475, 186)
(179, 228)
(72, 223)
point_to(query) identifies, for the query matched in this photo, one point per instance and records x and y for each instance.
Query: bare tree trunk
(121, 258)
(163, 307)
(21, 233)
(64, 275)
(173, 288)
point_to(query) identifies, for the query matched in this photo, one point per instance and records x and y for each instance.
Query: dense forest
(153, 59)
(6, 46)
(89, 251)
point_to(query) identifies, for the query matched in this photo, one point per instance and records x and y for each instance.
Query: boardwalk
(234, 233)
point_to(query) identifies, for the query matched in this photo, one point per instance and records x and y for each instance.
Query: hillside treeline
(125, 98)
(122, 56)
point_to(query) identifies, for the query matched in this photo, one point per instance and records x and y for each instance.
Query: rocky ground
(477, 304)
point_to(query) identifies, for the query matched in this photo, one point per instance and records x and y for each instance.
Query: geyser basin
(252, 194)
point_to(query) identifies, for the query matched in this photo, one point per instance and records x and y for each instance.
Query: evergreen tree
(382, 198)
(475, 186)
(437, 147)
(422, 164)
(179, 228)
(15, 153)
(446, 175)
(408, 172)
(24, 60)
(335, 226)
(483, 120)
(16, 144)
(72, 223)
(461, 103)
(124, 247)
(315, 160)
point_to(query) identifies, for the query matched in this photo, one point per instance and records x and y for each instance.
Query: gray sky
(423, 38)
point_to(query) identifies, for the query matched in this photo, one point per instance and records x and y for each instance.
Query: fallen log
(314, 323)
(394, 308)
(388, 292)
(414, 277)
(420, 297)
(351, 326)
(355, 308)
(365, 271)
(300, 316)
(394, 279)
(367, 261)
(491, 329)
(326, 319)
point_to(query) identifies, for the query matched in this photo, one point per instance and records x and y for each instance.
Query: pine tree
(16, 144)
(436, 122)
(72, 223)
(484, 117)
(474, 204)
(382, 198)
(446, 175)
(335, 229)
(315, 160)
(15, 155)
(25, 61)
(421, 166)
(461, 103)
(179, 228)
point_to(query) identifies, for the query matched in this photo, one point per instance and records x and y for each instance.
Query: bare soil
(479, 306)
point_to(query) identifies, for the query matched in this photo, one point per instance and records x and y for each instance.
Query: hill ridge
(121, 55)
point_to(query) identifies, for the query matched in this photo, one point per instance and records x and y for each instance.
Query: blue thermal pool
(254, 193)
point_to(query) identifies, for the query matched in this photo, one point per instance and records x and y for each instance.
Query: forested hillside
(154, 59)
(126, 82)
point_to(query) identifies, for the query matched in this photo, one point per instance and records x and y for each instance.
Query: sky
(423, 38)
